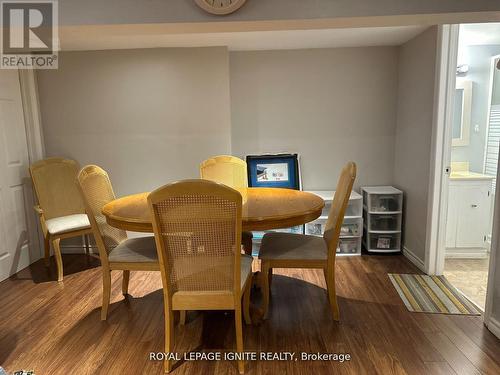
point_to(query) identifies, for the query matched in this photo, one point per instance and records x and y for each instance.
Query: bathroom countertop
(466, 175)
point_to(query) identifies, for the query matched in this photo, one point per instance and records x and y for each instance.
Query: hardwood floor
(56, 329)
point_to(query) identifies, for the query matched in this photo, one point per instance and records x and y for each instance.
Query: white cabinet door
(452, 217)
(15, 189)
(473, 218)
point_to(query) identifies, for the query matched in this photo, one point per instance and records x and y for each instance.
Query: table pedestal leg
(246, 241)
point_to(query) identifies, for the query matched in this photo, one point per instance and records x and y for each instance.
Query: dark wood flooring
(55, 328)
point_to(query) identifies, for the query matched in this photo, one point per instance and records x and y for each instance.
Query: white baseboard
(494, 326)
(466, 253)
(410, 255)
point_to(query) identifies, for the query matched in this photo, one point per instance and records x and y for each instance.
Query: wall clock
(220, 7)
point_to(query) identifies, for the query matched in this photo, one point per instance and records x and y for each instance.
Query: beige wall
(478, 58)
(149, 117)
(329, 105)
(417, 60)
(170, 108)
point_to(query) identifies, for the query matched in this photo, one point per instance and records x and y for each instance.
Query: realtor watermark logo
(29, 35)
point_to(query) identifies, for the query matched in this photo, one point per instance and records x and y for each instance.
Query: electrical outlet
(476, 128)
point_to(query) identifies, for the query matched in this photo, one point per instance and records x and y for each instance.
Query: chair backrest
(54, 180)
(96, 191)
(225, 169)
(197, 225)
(339, 205)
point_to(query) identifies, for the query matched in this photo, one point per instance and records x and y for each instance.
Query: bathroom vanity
(468, 224)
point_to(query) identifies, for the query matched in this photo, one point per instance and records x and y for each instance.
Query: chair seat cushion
(64, 224)
(246, 268)
(292, 246)
(135, 250)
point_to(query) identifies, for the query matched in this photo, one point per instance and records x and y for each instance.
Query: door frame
(446, 61)
(34, 139)
(440, 169)
(495, 238)
(32, 116)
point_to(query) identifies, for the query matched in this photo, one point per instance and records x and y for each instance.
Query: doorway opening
(474, 138)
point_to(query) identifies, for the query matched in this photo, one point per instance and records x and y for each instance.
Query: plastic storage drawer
(349, 246)
(326, 209)
(384, 222)
(315, 228)
(352, 227)
(384, 202)
(383, 242)
(354, 208)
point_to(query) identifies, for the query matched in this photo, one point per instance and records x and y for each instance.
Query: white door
(474, 214)
(16, 197)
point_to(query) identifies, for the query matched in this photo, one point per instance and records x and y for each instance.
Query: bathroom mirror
(462, 113)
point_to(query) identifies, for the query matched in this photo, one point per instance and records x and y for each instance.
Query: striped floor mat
(431, 294)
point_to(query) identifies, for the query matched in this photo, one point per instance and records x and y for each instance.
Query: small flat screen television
(276, 170)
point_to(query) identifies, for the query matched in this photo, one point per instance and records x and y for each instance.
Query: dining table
(263, 209)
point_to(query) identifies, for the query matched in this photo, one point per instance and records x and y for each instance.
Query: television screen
(272, 172)
(281, 170)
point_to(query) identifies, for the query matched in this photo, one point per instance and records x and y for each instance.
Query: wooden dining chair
(290, 250)
(197, 226)
(60, 207)
(116, 251)
(230, 171)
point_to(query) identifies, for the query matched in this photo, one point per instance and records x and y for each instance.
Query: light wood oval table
(263, 209)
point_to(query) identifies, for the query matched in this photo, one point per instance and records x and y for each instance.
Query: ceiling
(102, 39)
(476, 34)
